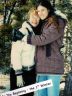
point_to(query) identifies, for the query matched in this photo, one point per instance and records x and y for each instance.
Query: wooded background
(13, 14)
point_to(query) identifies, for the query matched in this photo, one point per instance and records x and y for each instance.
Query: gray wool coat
(48, 56)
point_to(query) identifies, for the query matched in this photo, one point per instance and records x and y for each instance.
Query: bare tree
(53, 3)
(8, 11)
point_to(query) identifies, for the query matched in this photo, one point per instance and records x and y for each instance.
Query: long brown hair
(54, 20)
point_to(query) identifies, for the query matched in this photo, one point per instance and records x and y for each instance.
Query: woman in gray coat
(49, 60)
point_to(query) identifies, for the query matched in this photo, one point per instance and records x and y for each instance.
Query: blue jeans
(50, 91)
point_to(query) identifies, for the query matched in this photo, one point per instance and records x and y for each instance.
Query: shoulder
(62, 22)
(61, 17)
(58, 21)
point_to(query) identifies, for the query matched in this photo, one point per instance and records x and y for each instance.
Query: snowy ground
(4, 83)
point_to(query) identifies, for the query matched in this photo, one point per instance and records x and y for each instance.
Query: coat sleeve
(48, 35)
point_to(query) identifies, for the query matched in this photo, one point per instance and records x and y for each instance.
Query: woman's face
(42, 12)
(34, 20)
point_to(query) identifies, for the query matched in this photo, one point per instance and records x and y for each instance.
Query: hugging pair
(36, 49)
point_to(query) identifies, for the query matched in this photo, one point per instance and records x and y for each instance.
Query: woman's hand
(19, 81)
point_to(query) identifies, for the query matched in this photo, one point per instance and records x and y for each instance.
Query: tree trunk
(53, 3)
(9, 13)
(4, 21)
(68, 85)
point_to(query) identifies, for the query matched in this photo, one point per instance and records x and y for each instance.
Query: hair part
(32, 11)
(46, 4)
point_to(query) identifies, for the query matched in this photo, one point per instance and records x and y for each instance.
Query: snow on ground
(4, 83)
